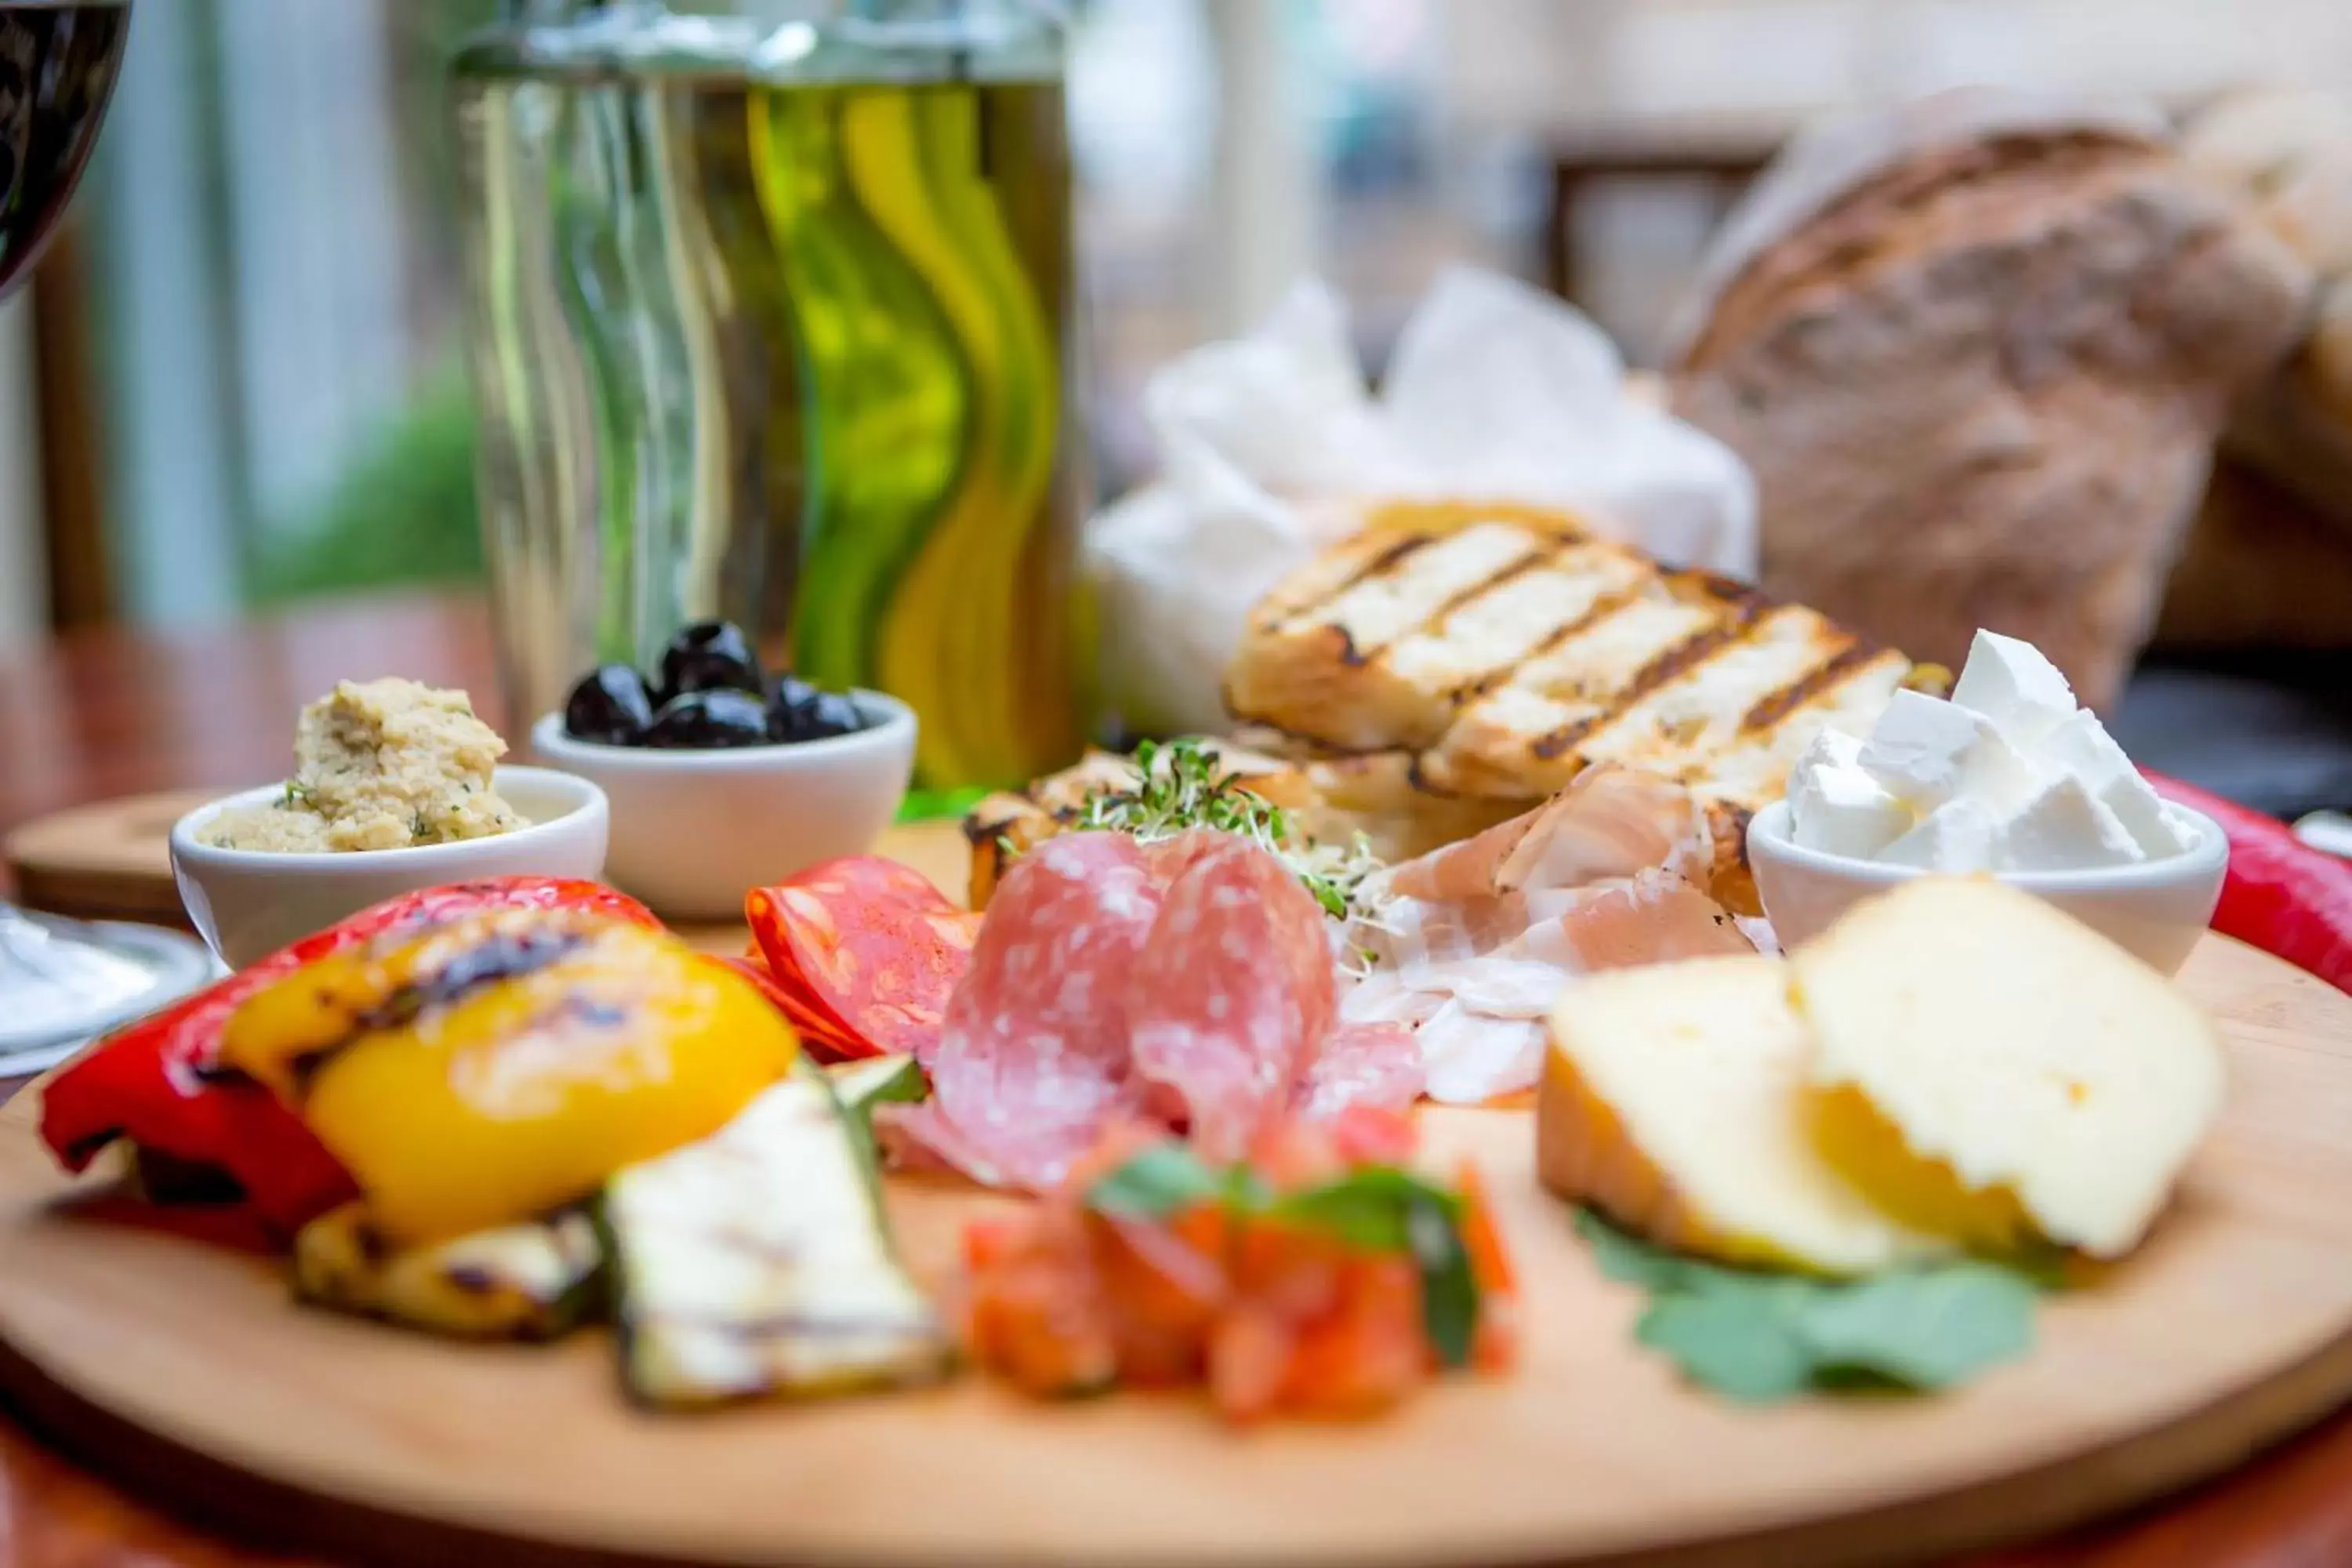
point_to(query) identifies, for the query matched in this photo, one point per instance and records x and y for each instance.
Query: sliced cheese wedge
(1675, 1101)
(2039, 1078)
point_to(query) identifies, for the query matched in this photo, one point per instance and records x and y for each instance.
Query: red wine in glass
(58, 66)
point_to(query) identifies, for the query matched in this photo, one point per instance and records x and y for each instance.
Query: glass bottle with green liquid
(770, 321)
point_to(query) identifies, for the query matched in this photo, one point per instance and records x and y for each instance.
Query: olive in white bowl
(247, 903)
(694, 829)
(2156, 910)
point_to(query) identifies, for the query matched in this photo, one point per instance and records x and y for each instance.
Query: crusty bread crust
(1981, 388)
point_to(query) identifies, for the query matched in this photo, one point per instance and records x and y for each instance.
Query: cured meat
(1232, 994)
(1361, 1067)
(1034, 1059)
(1481, 936)
(867, 950)
(821, 1036)
(1611, 822)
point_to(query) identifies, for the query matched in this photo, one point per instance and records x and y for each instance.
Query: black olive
(799, 711)
(707, 720)
(834, 714)
(611, 705)
(709, 656)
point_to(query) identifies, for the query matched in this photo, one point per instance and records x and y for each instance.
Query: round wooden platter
(186, 1364)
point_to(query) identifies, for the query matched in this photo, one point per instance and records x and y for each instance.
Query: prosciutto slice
(1479, 938)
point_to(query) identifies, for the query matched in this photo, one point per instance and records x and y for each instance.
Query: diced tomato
(1164, 1294)
(1249, 1359)
(1496, 1345)
(1368, 1354)
(1035, 1312)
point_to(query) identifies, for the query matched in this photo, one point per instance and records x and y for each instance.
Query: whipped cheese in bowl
(2009, 774)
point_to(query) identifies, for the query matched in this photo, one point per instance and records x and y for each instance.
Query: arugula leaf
(1155, 1182)
(1758, 1337)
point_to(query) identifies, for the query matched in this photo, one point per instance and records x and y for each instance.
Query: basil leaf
(1757, 1337)
(1156, 1181)
(1365, 1209)
(1630, 1260)
(1926, 1327)
(1449, 1292)
(1738, 1341)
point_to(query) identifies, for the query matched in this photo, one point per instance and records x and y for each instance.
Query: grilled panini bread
(1508, 656)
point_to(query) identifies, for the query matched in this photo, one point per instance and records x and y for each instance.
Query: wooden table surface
(114, 713)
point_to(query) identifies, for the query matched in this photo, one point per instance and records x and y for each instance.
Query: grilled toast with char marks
(1509, 655)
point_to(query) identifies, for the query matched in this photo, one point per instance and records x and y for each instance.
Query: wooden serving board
(188, 1366)
(109, 860)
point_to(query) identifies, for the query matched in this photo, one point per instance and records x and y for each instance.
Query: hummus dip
(379, 765)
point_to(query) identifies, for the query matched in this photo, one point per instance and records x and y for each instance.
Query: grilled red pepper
(2282, 895)
(155, 1082)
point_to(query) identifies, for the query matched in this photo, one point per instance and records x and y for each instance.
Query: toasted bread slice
(1509, 655)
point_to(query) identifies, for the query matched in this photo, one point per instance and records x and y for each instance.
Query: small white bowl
(2156, 910)
(247, 903)
(694, 831)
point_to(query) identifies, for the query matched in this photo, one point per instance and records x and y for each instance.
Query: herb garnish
(1758, 1337)
(1184, 785)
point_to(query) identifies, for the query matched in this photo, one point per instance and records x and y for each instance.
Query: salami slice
(1372, 1067)
(821, 1037)
(1232, 994)
(1033, 1061)
(868, 949)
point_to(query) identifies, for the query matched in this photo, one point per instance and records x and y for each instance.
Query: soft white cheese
(2081, 748)
(2064, 826)
(2008, 775)
(2012, 685)
(1918, 748)
(1957, 835)
(1835, 805)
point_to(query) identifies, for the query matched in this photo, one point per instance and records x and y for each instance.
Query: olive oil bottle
(770, 321)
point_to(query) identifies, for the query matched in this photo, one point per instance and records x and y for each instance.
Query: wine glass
(58, 61)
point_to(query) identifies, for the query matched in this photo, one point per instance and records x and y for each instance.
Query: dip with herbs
(379, 765)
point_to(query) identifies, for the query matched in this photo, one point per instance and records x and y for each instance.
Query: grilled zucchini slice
(532, 1281)
(758, 1261)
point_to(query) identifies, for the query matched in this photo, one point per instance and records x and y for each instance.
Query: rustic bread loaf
(1978, 349)
(2289, 153)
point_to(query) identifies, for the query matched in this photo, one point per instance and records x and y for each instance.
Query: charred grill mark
(500, 955)
(1603, 608)
(1683, 656)
(1436, 622)
(1714, 587)
(472, 1279)
(505, 955)
(1380, 561)
(1773, 707)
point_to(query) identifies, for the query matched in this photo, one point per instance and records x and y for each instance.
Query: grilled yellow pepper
(481, 1072)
